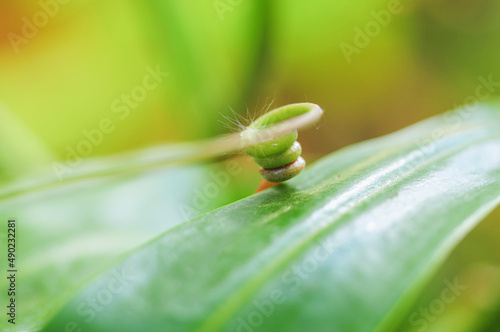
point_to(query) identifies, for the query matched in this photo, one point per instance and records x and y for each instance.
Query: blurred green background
(70, 70)
(218, 55)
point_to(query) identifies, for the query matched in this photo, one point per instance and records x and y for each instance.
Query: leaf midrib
(220, 316)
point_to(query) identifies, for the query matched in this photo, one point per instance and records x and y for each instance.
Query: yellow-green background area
(423, 59)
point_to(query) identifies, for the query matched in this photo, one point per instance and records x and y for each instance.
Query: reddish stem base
(263, 185)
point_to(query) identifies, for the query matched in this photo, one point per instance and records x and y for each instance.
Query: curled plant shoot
(272, 141)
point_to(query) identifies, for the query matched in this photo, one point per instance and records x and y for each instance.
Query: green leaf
(68, 233)
(345, 246)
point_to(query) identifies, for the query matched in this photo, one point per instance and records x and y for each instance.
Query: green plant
(279, 158)
(345, 246)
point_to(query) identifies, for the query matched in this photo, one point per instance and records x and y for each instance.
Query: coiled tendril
(274, 148)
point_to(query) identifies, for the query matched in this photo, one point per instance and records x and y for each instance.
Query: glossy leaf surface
(345, 246)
